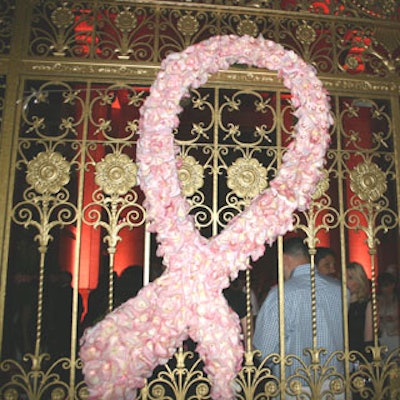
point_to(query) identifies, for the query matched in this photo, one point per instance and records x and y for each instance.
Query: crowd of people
(329, 308)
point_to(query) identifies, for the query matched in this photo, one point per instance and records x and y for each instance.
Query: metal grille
(71, 202)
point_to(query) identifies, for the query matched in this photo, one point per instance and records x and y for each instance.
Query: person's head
(129, 283)
(295, 253)
(393, 269)
(386, 283)
(357, 282)
(325, 261)
(64, 278)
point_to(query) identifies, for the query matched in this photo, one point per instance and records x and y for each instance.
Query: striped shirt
(298, 319)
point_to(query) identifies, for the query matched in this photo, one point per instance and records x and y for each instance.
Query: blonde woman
(360, 310)
(389, 311)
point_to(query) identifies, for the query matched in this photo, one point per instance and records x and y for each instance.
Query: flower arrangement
(122, 350)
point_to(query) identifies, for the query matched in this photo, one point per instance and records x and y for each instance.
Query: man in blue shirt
(298, 328)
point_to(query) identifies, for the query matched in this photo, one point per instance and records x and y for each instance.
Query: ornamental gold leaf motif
(368, 181)
(323, 185)
(48, 172)
(116, 174)
(247, 177)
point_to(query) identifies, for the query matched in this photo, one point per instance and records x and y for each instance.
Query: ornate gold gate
(73, 78)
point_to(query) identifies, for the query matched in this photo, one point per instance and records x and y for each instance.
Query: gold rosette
(48, 172)
(126, 21)
(191, 175)
(62, 17)
(116, 173)
(188, 25)
(368, 181)
(247, 177)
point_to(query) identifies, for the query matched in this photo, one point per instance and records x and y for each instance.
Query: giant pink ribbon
(122, 350)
